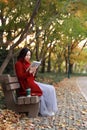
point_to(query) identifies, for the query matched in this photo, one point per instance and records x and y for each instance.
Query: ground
(72, 112)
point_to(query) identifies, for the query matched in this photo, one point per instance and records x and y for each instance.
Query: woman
(48, 104)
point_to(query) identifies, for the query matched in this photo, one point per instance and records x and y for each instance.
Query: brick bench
(26, 104)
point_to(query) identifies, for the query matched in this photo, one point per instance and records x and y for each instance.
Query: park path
(72, 108)
(82, 84)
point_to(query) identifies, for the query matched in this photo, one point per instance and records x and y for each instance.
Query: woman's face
(28, 56)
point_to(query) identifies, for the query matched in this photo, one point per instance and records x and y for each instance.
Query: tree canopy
(46, 27)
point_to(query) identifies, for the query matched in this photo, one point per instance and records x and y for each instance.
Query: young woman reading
(26, 78)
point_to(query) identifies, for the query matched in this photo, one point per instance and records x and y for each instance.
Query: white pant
(48, 104)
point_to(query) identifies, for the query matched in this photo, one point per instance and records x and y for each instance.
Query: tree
(58, 23)
(22, 36)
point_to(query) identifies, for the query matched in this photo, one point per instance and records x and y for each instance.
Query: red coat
(26, 79)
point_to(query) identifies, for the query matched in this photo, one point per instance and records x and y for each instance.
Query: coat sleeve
(20, 72)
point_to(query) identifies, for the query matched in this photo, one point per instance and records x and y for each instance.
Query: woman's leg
(48, 99)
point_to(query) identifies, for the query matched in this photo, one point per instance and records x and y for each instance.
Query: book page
(34, 64)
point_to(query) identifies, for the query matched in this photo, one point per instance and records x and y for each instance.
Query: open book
(34, 63)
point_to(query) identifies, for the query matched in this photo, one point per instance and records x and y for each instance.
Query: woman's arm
(20, 71)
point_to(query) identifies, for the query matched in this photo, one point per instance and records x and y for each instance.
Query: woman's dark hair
(23, 53)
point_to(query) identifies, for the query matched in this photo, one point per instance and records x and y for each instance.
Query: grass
(56, 77)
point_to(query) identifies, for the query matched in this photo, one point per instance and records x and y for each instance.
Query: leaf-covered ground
(72, 111)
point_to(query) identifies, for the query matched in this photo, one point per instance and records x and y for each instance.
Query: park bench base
(21, 104)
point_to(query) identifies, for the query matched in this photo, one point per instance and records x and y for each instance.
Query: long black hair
(23, 53)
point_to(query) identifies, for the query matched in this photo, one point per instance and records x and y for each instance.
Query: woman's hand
(33, 70)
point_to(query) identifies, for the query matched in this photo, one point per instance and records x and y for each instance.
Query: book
(34, 64)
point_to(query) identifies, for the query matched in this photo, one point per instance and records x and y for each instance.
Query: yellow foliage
(5, 1)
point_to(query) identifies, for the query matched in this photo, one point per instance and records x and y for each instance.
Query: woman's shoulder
(18, 62)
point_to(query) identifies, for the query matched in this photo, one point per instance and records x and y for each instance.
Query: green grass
(56, 77)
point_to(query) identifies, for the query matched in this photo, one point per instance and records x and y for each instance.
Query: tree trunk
(66, 66)
(37, 44)
(71, 68)
(59, 68)
(49, 63)
(43, 66)
(6, 61)
(3, 23)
